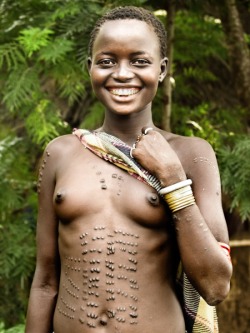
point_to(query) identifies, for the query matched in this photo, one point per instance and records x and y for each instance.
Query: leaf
(11, 56)
(195, 125)
(56, 50)
(69, 9)
(71, 80)
(94, 117)
(235, 164)
(44, 123)
(16, 329)
(33, 39)
(20, 87)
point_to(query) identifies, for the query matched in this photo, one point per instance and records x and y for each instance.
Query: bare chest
(90, 186)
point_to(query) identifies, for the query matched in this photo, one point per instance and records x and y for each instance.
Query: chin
(125, 111)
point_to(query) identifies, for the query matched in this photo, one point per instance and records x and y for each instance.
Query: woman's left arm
(200, 227)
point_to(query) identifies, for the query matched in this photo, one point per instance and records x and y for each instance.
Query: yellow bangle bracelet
(178, 193)
(180, 198)
(179, 208)
(180, 190)
(181, 202)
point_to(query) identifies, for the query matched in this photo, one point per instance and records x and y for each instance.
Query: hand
(156, 155)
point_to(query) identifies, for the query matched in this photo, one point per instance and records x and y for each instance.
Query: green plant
(235, 175)
(16, 329)
(17, 224)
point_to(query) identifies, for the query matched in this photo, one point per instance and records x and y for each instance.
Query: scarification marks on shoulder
(41, 170)
(205, 160)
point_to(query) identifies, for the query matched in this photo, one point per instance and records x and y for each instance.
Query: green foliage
(95, 117)
(71, 81)
(56, 51)
(33, 39)
(217, 126)
(50, 49)
(195, 122)
(11, 56)
(15, 329)
(235, 172)
(199, 51)
(198, 37)
(44, 123)
(20, 87)
(17, 223)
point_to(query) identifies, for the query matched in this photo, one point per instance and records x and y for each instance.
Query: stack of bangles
(179, 195)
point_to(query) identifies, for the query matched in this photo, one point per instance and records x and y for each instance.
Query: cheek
(151, 77)
(97, 77)
(97, 83)
(152, 82)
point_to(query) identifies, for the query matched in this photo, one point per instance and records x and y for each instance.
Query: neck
(127, 128)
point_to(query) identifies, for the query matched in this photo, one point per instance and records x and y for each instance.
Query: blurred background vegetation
(45, 92)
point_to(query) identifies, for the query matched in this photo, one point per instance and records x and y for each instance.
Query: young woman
(117, 218)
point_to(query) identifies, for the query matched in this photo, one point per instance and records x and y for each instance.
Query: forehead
(128, 33)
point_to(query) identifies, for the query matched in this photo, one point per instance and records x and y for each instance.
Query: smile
(124, 92)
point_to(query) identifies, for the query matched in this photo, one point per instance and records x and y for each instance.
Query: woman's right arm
(44, 289)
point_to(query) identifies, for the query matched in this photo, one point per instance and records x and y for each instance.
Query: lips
(124, 91)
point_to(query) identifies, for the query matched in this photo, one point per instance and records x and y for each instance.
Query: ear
(89, 64)
(163, 72)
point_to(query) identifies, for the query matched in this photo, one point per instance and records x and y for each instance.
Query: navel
(104, 320)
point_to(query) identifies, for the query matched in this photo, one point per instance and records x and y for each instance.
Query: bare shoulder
(64, 141)
(62, 144)
(188, 148)
(59, 151)
(192, 146)
(180, 142)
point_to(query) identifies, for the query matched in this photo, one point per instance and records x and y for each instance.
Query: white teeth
(124, 92)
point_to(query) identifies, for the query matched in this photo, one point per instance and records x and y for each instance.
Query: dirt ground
(234, 312)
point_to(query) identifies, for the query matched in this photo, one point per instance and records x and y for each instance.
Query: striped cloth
(116, 152)
(199, 316)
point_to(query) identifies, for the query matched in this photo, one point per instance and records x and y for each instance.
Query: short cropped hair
(134, 13)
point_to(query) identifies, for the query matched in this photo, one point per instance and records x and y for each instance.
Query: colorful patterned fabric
(116, 152)
(199, 316)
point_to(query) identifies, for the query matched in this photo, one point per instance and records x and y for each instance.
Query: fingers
(144, 132)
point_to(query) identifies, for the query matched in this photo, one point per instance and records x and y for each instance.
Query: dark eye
(106, 62)
(140, 62)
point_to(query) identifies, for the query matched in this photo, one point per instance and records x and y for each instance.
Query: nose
(123, 72)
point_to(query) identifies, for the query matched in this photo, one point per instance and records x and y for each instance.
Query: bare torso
(117, 250)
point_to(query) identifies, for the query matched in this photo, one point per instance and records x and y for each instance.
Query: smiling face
(126, 66)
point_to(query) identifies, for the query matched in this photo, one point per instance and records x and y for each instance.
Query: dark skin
(107, 245)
